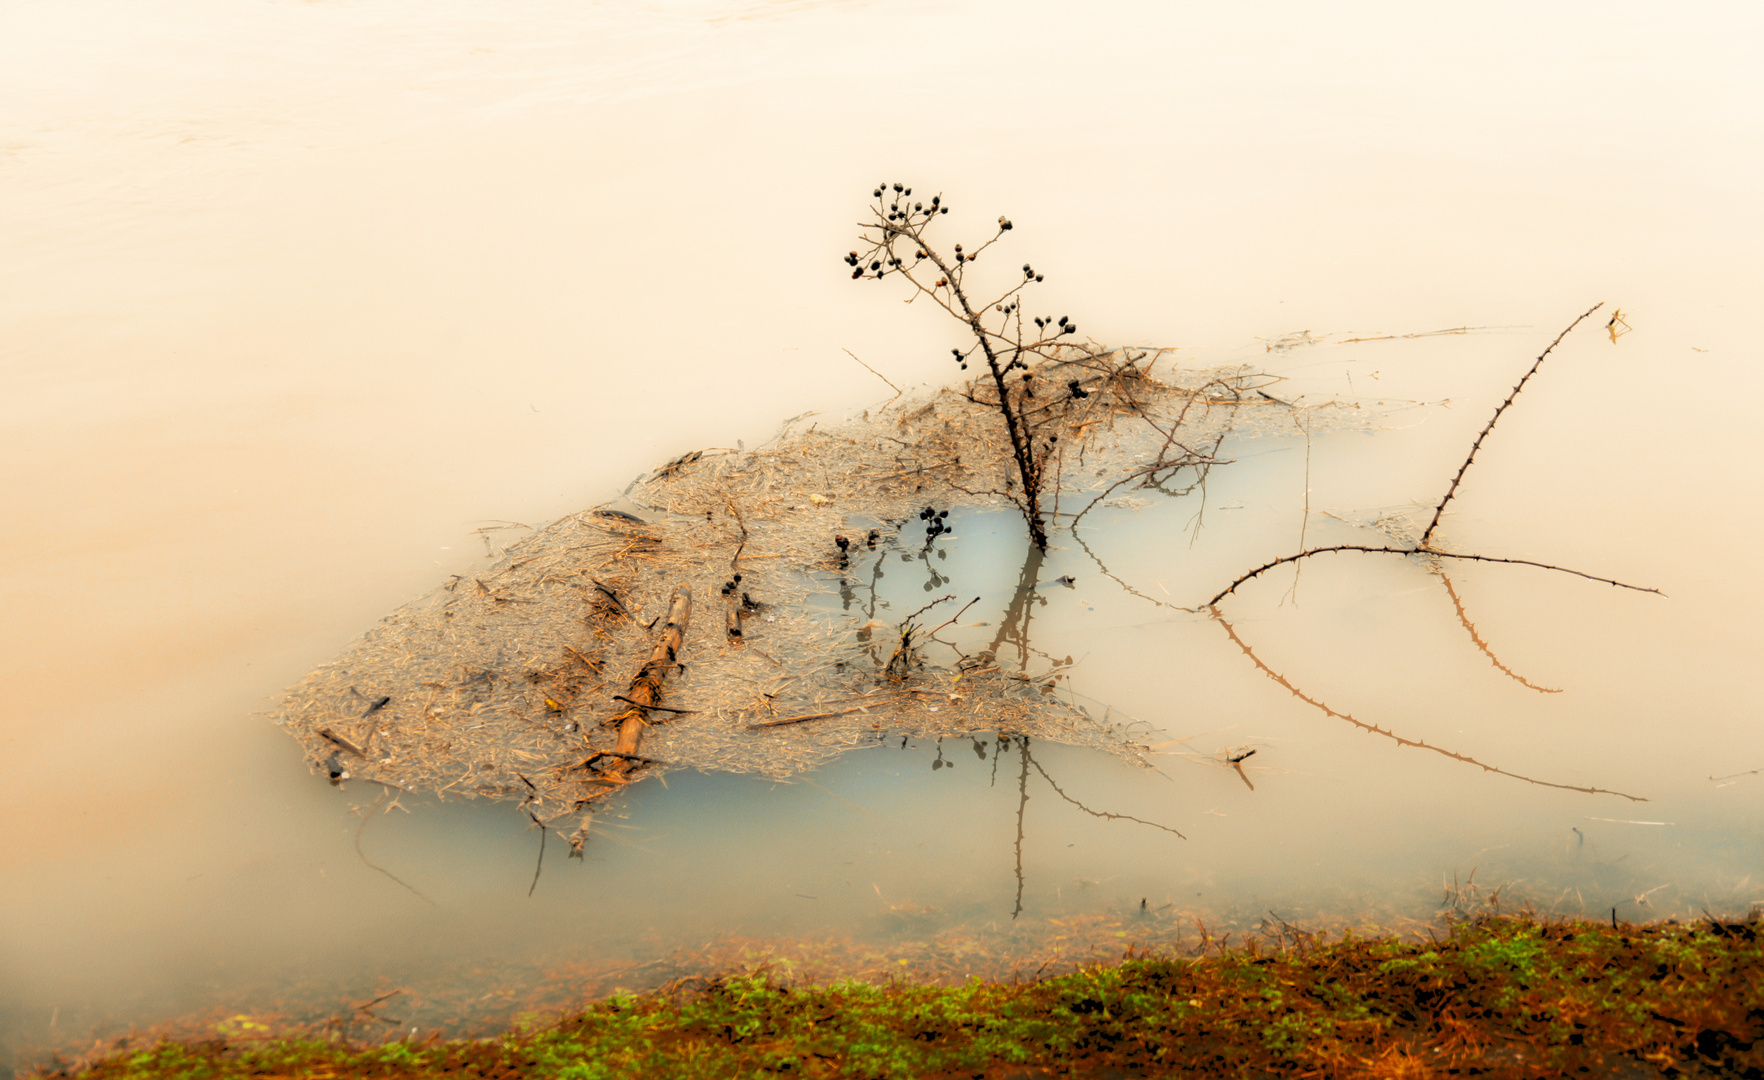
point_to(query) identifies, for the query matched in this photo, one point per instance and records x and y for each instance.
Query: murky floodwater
(297, 295)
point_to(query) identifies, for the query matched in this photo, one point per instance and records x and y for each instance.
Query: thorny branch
(1464, 618)
(1432, 553)
(1424, 545)
(1477, 445)
(1391, 735)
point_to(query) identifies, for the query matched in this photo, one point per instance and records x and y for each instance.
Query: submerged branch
(1096, 813)
(1393, 736)
(359, 829)
(1483, 645)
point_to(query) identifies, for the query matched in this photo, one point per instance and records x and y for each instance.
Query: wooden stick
(867, 702)
(805, 716)
(646, 688)
(652, 705)
(337, 740)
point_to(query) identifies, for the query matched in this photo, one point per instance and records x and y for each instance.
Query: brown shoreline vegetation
(1496, 995)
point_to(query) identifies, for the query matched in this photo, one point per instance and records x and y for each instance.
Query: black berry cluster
(934, 522)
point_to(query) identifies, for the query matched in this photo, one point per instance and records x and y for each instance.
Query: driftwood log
(645, 691)
(644, 694)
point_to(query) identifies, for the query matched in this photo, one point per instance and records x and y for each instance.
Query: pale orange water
(297, 295)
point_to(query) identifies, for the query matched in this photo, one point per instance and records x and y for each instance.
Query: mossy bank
(1505, 996)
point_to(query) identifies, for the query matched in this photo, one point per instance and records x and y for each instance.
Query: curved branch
(1463, 617)
(1099, 813)
(1393, 736)
(1285, 559)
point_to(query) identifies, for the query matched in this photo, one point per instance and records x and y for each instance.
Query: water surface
(297, 296)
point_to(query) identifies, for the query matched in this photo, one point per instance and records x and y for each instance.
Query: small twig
(927, 607)
(363, 1008)
(1735, 776)
(897, 390)
(782, 721)
(804, 717)
(933, 632)
(541, 864)
(735, 512)
(371, 864)
(599, 754)
(339, 741)
(661, 708)
(1098, 813)
(607, 591)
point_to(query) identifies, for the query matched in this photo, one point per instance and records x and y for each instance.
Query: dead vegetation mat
(511, 682)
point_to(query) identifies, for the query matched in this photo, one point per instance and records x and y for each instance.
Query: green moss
(1510, 996)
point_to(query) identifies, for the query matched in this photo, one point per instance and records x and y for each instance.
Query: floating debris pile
(513, 683)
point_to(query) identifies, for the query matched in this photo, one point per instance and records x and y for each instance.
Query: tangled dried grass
(505, 684)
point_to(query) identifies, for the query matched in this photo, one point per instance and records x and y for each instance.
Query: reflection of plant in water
(1026, 761)
(906, 651)
(1013, 629)
(1464, 618)
(1425, 547)
(1391, 735)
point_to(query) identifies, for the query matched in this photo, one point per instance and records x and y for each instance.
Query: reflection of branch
(735, 512)
(1483, 645)
(1086, 809)
(1477, 445)
(1022, 805)
(1430, 552)
(1015, 623)
(375, 866)
(1110, 574)
(1730, 776)
(1393, 736)
(540, 865)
